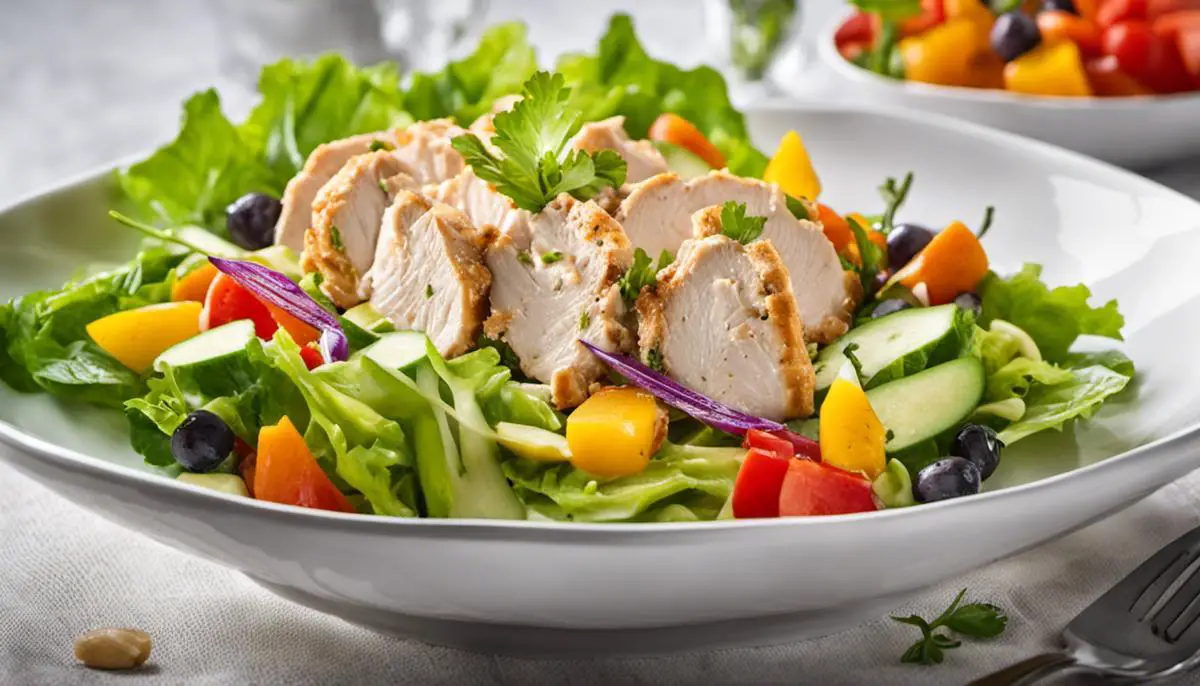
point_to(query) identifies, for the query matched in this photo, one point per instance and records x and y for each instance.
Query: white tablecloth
(87, 82)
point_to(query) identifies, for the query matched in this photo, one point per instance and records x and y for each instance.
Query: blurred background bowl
(1138, 132)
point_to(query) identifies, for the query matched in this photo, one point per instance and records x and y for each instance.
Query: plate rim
(28, 446)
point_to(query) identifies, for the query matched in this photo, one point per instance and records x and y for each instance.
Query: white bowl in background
(538, 587)
(1136, 132)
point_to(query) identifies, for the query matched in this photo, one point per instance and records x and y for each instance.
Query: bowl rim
(828, 52)
(29, 447)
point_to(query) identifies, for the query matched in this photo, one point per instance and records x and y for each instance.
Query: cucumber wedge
(533, 443)
(898, 345)
(215, 363)
(927, 405)
(369, 318)
(681, 161)
(400, 350)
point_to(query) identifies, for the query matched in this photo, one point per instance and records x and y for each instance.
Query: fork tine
(1172, 611)
(1139, 591)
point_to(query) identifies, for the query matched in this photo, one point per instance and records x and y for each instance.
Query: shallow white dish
(552, 588)
(1134, 132)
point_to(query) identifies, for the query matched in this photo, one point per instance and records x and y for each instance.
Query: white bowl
(1134, 132)
(548, 587)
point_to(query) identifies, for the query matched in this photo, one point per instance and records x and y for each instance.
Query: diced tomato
(1189, 52)
(1113, 11)
(1162, 8)
(676, 130)
(1059, 25)
(933, 12)
(1171, 25)
(312, 357)
(858, 29)
(772, 444)
(1152, 60)
(286, 472)
(227, 301)
(246, 467)
(1108, 81)
(759, 481)
(812, 489)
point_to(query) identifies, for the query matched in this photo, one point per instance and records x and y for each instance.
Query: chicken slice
(428, 273)
(723, 321)
(319, 168)
(657, 216)
(642, 159)
(553, 283)
(345, 223)
(425, 150)
(483, 204)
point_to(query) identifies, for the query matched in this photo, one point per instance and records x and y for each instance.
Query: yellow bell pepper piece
(1049, 69)
(137, 337)
(792, 170)
(615, 432)
(976, 12)
(942, 55)
(852, 437)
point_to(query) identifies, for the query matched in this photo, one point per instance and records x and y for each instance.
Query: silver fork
(1144, 628)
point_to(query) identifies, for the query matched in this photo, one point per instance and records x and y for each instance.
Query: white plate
(1135, 132)
(545, 587)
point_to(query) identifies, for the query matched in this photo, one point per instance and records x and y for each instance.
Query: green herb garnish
(849, 352)
(551, 257)
(377, 145)
(643, 272)
(978, 620)
(335, 237)
(654, 360)
(428, 291)
(893, 197)
(872, 256)
(736, 225)
(584, 319)
(524, 258)
(988, 215)
(797, 208)
(537, 162)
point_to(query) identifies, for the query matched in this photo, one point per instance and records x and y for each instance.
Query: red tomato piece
(1171, 25)
(812, 489)
(759, 481)
(1113, 11)
(1161, 8)
(227, 301)
(1189, 52)
(933, 12)
(859, 28)
(1147, 57)
(312, 357)
(1108, 81)
(772, 444)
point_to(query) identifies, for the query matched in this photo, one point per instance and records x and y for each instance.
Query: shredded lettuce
(1053, 317)
(622, 79)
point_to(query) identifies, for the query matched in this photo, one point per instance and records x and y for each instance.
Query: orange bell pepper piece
(194, 285)
(300, 332)
(953, 263)
(1049, 69)
(974, 11)
(1087, 9)
(943, 54)
(286, 472)
(1065, 26)
(836, 228)
(676, 130)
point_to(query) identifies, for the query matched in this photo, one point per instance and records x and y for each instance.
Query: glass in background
(756, 41)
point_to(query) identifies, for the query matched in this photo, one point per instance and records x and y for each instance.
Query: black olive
(202, 441)
(951, 477)
(970, 302)
(251, 220)
(1014, 34)
(891, 306)
(904, 242)
(1060, 6)
(980, 445)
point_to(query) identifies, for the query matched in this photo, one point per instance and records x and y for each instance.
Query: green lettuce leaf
(622, 79)
(307, 103)
(465, 89)
(677, 472)
(1015, 379)
(1053, 317)
(46, 345)
(192, 179)
(1049, 407)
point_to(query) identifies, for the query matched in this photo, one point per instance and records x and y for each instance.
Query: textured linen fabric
(87, 82)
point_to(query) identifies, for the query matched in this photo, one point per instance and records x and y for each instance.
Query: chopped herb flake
(654, 360)
(551, 257)
(428, 291)
(524, 257)
(335, 237)
(584, 319)
(377, 145)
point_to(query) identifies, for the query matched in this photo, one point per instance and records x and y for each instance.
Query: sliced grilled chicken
(345, 223)
(482, 203)
(657, 216)
(723, 321)
(553, 283)
(642, 159)
(428, 273)
(319, 168)
(427, 153)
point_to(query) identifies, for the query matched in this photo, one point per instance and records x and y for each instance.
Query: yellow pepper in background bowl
(1049, 69)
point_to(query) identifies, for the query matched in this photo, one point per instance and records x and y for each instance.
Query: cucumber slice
(369, 318)
(684, 162)
(224, 483)
(533, 443)
(280, 258)
(929, 404)
(215, 363)
(400, 350)
(898, 345)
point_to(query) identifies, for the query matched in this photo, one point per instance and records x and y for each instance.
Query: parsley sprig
(894, 195)
(643, 272)
(736, 225)
(873, 259)
(536, 163)
(978, 620)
